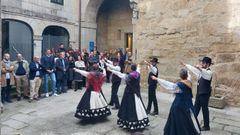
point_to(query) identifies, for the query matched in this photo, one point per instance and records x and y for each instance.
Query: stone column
(0, 31)
(135, 16)
(37, 41)
(0, 50)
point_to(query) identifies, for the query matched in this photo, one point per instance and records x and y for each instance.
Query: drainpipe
(80, 21)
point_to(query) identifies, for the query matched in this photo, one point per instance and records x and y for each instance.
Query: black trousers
(78, 85)
(152, 98)
(201, 102)
(84, 82)
(108, 76)
(6, 92)
(114, 96)
(69, 84)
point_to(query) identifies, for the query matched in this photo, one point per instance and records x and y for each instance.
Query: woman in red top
(93, 104)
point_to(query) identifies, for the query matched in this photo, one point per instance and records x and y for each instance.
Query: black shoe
(9, 101)
(30, 100)
(19, 98)
(26, 97)
(205, 128)
(147, 112)
(115, 108)
(36, 99)
(154, 113)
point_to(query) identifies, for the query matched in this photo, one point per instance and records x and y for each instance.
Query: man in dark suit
(35, 77)
(204, 75)
(62, 66)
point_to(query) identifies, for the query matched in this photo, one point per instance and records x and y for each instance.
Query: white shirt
(172, 87)
(37, 73)
(152, 69)
(205, 74)
(110, 64)
(85, 73)
(80, 64)
(123, 75)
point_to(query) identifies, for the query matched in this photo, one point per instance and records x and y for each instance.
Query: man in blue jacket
(35, 77)
(48, 65)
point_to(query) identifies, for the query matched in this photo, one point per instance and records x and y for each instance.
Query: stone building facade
(186, 30)
(172, 30)
(38, 16)
(182, 30)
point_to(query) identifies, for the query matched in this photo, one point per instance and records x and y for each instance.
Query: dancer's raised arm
(198, 71)
(168, 85)
(118, 73)
(116, 68)
(108, 61)
(82, 72)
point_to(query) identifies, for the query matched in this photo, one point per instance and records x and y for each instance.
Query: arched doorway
(17, 37)
(114, 25)
(53, 36)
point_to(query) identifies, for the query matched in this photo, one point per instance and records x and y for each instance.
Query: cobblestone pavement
(55, 116)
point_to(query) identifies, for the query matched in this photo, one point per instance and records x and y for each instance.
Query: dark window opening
(57, 1)
(17, 37)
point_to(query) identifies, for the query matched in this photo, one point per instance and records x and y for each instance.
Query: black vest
(150, 80)
(115, 78)
(204, 86)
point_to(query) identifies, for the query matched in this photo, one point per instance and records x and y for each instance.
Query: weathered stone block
(225, 57)
(232, 129)
(217, 102)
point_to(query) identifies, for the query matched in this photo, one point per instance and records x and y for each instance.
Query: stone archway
(53, 36)
(17, 37)
(89, 22)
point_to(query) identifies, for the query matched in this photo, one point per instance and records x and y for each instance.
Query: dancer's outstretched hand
(146, 62)
(108, 68)
(182, 63)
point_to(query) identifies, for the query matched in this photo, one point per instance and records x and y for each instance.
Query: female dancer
(132, 113)
(93, 104)
(181, 119)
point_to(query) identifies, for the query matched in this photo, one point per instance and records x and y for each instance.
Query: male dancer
(152, 85)
(204, 75)
(116, 81)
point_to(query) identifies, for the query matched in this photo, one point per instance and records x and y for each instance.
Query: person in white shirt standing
(204, 75)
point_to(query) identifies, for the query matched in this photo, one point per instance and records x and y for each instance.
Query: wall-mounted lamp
(133, 6)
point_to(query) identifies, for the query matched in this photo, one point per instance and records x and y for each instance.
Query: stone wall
(186, 30)
(114, 21)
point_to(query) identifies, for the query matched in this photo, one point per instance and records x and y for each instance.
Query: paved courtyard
(55, 116)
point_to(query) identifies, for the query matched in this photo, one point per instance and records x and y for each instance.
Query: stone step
(227, 122)
(232, 129)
